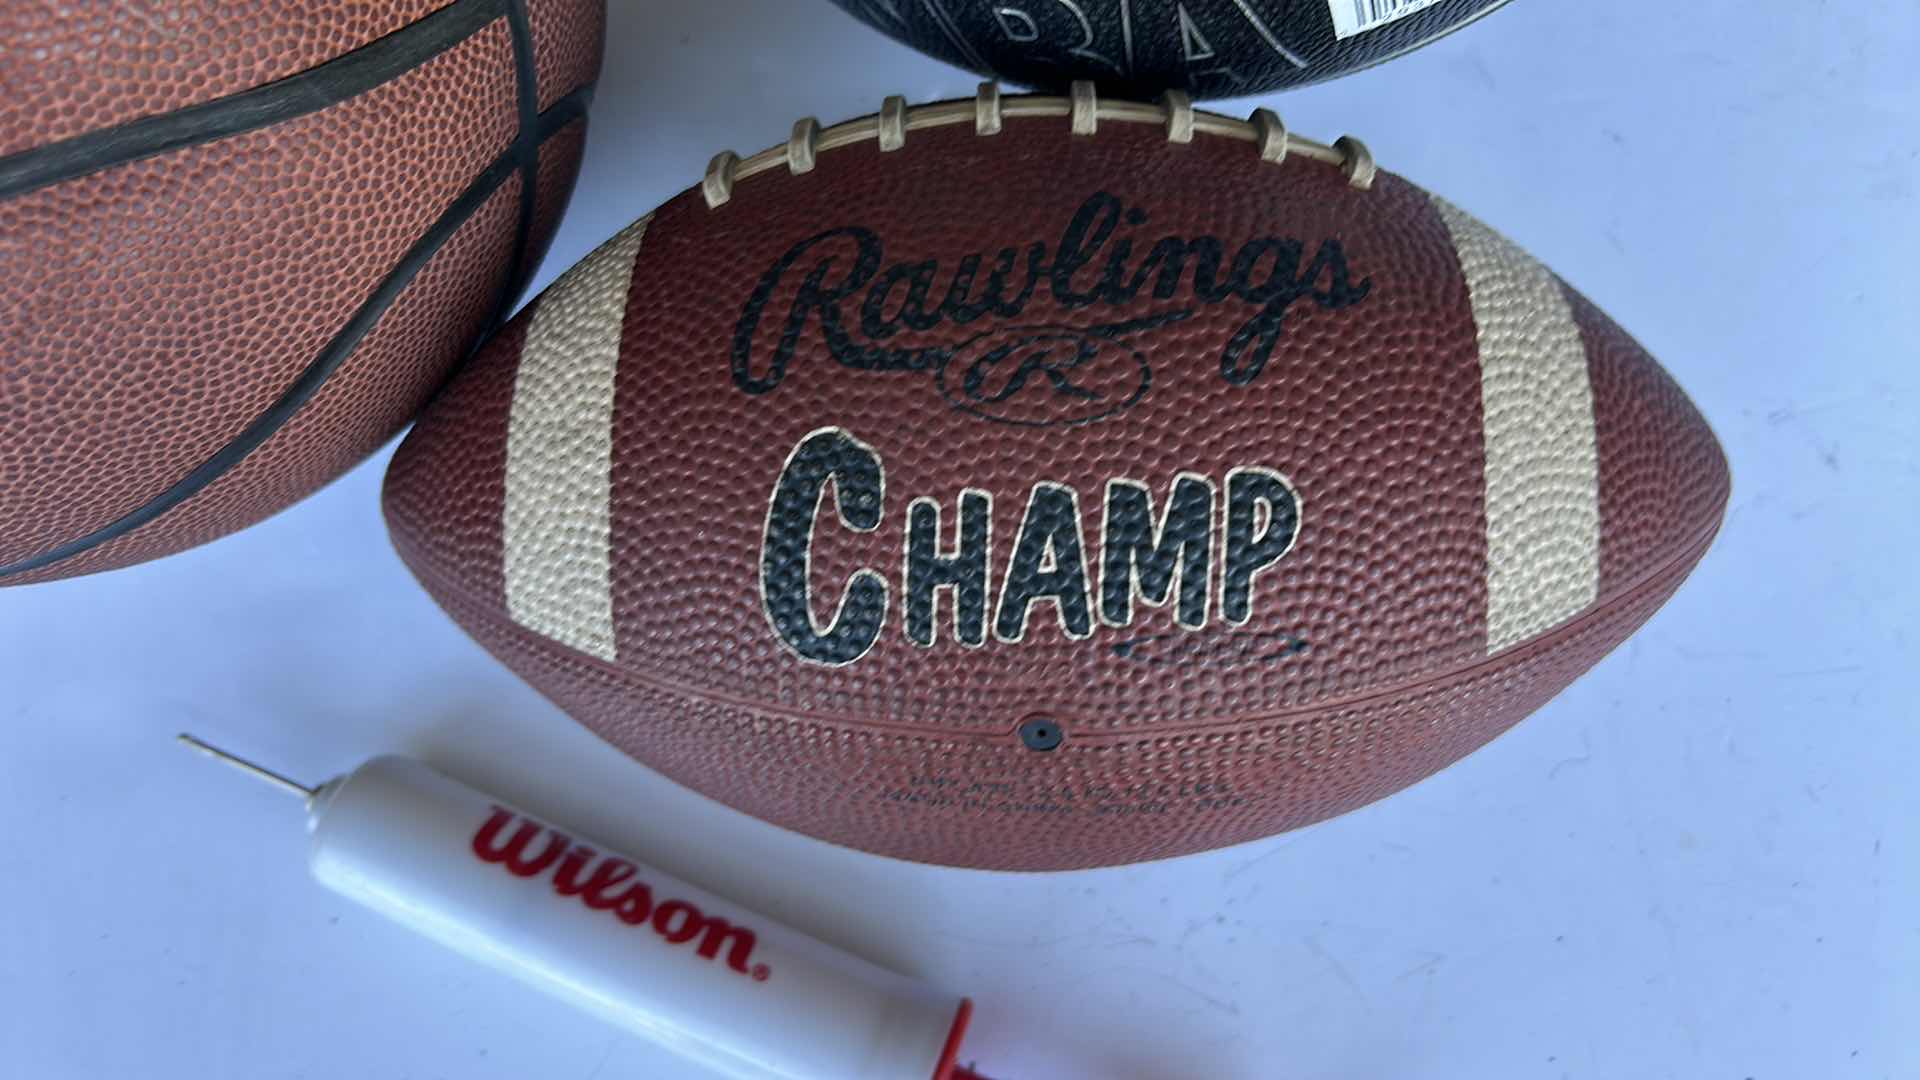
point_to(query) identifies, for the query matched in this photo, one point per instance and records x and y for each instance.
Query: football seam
(1677, 566)
(987, 110)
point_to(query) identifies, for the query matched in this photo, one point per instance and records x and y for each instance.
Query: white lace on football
(1084, 110)
(718, 185)
(1179, 116)
(989, 113)
(1271, 133)
(986, 110)
(1356, 161)
(802, 144)
(891, 124)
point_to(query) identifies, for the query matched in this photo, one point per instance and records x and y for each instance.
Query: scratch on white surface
(605, 1056)
(1789, 413)
(990, 943)
(1339, 970)
(1252, 893)
(1195, 926)
(1103, 934)
(1223, 1005)
(1426, 967)
(1738, 510)
(1249, 864)
(1126, 934)
(1482, 74)
(1659, 917)
(1733, 724)
(1685, 1014)
(1691, 653)
(1586, 743)
(1808, 673)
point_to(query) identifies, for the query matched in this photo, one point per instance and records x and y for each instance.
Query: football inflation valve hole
(1041, 733)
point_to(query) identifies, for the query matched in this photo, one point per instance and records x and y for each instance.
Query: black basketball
(1138, 48)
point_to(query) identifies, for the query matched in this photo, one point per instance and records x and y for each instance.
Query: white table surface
(1698, 862)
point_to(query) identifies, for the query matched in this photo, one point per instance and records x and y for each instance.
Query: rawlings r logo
(1039, 373)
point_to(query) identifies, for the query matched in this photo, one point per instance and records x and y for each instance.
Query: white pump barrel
(727, 987)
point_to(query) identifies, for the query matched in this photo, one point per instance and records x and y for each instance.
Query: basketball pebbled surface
(242, 246)
(1051, 483)
(1208, 48)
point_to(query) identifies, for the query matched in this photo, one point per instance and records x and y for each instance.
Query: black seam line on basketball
(558, 115)
(565, 111)
(306, 385)
(526, 150)
(318, 87)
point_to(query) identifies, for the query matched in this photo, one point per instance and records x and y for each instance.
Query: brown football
(1054, 482)
(240, 245)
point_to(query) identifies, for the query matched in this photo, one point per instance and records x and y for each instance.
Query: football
(240, 246)
(1050, 482)
(1207, 48)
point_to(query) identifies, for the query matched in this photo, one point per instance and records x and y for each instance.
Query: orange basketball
(240, 246)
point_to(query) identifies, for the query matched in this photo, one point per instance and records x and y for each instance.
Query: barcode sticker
(1352, 17)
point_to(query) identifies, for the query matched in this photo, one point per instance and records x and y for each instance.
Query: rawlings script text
(1041, 372)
